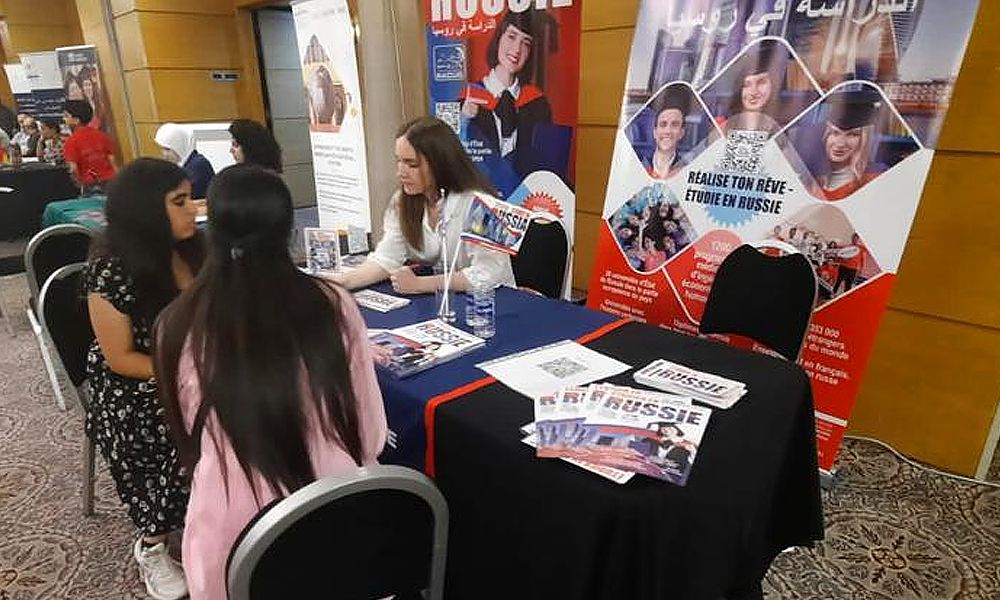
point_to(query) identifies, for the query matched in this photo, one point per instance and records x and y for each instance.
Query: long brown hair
(435, 142)
(254, 356)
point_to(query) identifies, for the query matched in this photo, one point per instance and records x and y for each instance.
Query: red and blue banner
(505, 75)
(809, 122)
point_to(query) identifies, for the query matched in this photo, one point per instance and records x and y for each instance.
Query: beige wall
(933, 382)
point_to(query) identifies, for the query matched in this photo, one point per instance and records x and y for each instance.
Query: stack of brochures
(414, 348)
(618, 431)
(678, 379)
(379, 301)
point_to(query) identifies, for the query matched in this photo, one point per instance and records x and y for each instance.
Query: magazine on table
(379, 301)
(626, 429)
(708, 388)
(414, 348)
(617, 475)
(322, 249)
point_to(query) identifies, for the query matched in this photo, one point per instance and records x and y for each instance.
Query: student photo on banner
(506, 112)
(762, 90)
(835, 250)
(846, 141)
(669, 131)
(82, 81)
(650, 228)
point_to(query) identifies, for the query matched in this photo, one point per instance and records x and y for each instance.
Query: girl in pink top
(266, 374)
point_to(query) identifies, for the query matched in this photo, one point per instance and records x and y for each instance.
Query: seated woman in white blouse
(430, 160)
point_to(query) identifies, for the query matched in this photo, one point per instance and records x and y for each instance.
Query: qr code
(562, 367)
(743, 149)
(450, 113)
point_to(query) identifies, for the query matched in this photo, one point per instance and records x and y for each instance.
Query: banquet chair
(49, 249)
(63, 311)
(764, 297)
(378, 531)
(543, 262)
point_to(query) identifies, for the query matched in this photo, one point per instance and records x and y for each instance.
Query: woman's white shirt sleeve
(392, 250)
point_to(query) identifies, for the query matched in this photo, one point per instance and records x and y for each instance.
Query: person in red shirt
(89, 152)
(852, 260)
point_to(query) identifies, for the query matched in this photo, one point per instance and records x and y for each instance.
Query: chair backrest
(766, 298)
(378, 531)
(62, 308)
(51, 248)
(542, 263)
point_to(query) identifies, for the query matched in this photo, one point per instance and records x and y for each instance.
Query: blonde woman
(847, 142)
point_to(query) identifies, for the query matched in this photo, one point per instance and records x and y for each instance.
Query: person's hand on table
(405, 281)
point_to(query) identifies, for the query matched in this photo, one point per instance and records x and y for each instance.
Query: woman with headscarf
(177, 145)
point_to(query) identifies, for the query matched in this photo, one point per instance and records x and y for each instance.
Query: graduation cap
(762, 59)
(675, 97)
(854, 109)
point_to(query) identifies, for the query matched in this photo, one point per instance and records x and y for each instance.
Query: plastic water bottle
(484, 322)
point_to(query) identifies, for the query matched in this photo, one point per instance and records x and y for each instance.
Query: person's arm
(405, 281)
(368, 273)
(114, 335)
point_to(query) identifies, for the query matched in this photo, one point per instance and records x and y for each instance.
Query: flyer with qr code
(805, 127)
(551, 368)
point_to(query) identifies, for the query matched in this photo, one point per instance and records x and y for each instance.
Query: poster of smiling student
(811, 123)
(505, 75)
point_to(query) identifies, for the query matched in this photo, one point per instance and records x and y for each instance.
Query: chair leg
(50, 368)
(88, 476)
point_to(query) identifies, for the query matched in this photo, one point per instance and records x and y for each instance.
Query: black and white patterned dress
(126, 420)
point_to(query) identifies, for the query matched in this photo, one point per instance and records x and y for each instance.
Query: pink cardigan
(213, 522)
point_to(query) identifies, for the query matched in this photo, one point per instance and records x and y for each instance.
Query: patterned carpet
(894, 532)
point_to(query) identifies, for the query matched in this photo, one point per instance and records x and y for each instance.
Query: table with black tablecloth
(524, 527)
(33, 186)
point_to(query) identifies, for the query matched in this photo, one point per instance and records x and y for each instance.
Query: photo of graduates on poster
(507, 83)
(650, 228)
(835, 250)
(669, 131)
(846, 141)
(325, 95)
(81, 78)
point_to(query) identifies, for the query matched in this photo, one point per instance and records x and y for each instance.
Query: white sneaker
(163, 577)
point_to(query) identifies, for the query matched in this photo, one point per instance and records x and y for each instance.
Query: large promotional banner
(336, 127)
(42, 70)
(505, 75)
(20, 86)
(81, 80)
(810, 122)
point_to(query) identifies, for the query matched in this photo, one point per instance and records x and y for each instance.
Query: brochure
(322, 249)
(496, 224)
(414, 348)
(708, 388)
(379, 301)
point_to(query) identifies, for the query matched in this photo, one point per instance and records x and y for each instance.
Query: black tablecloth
(523, 527)
(34, 185)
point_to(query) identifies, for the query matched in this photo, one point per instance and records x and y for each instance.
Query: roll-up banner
(810, 122)
(20, 86)
(42, 71)
(505, 75)
(336, 126)
(81, 80)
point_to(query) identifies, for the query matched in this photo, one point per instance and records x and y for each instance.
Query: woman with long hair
(754, 105)
(847, 144)
(438, 183)
(266, 373)
(150, 251)
(254, 144)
